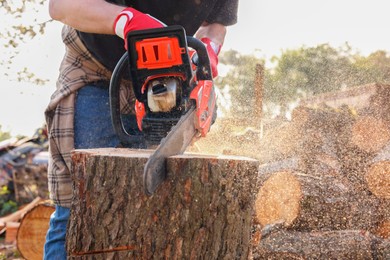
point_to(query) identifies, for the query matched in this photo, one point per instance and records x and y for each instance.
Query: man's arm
(93, 16)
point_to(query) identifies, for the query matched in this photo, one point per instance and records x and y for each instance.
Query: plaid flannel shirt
(78, 68)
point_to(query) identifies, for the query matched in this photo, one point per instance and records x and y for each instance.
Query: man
(78, 115)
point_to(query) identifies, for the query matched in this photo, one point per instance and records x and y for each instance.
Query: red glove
(130, 20)
(213, 50)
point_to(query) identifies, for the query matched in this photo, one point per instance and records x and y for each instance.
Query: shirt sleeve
(224, 12)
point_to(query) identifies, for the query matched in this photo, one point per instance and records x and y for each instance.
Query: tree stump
(203, 210)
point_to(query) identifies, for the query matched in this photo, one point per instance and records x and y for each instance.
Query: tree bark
(346, 244)
(203, 210)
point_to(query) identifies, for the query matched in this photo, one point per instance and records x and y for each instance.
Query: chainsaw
(175, 98)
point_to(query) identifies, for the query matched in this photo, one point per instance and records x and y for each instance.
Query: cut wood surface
(309, 202)
(203, 210)
(346, 244)
(378, 179)
(370, 134)
(279, 199)
(383, 229)
(32, 231)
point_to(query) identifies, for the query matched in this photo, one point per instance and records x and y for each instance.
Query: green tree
(307, 71)
(300, 73)
(4, 135)
(238, 83)
(21, 21)
(373, 68)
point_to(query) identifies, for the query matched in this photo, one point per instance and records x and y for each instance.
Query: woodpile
(342, 244)
(325, 183)
(29, 182)
(23, 183)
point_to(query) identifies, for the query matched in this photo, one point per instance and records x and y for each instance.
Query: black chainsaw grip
(124, 137)
(203, 71)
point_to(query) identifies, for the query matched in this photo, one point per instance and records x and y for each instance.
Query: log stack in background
(325, 181)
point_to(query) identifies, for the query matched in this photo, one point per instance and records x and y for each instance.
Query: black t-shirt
(188, 13)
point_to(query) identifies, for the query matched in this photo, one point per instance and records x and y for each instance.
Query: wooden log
(370, 134)
(307, 202)
(333, 134)
(379, 102)
(11, 231)
(32, 231)
(311, 132)
(346, 244)
(203, 210)
(377, 175)
(278, 199)
(383, 229)
(378, 179)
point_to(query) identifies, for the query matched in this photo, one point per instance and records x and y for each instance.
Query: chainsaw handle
(203, 71)
(124, 137)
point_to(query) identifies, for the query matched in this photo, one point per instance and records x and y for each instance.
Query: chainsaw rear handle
(126, 139)
(203, 70)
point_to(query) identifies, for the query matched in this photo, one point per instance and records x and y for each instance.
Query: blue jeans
(55, 237)
(93, 129)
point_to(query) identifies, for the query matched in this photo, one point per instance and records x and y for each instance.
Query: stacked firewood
(325, 184)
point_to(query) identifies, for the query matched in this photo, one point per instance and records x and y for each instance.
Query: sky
(265, 28)
(275, 25)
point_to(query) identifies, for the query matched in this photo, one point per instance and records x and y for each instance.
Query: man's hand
(212, 35)
(213, 50)
(130, 20)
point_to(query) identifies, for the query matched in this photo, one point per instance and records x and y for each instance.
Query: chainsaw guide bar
(175, 143)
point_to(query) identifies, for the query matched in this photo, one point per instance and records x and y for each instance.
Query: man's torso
(190, 14)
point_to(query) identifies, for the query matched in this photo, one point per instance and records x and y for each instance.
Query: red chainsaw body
(161, 57)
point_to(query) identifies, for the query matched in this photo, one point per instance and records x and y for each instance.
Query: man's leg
(55, 237)
(93, 129)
